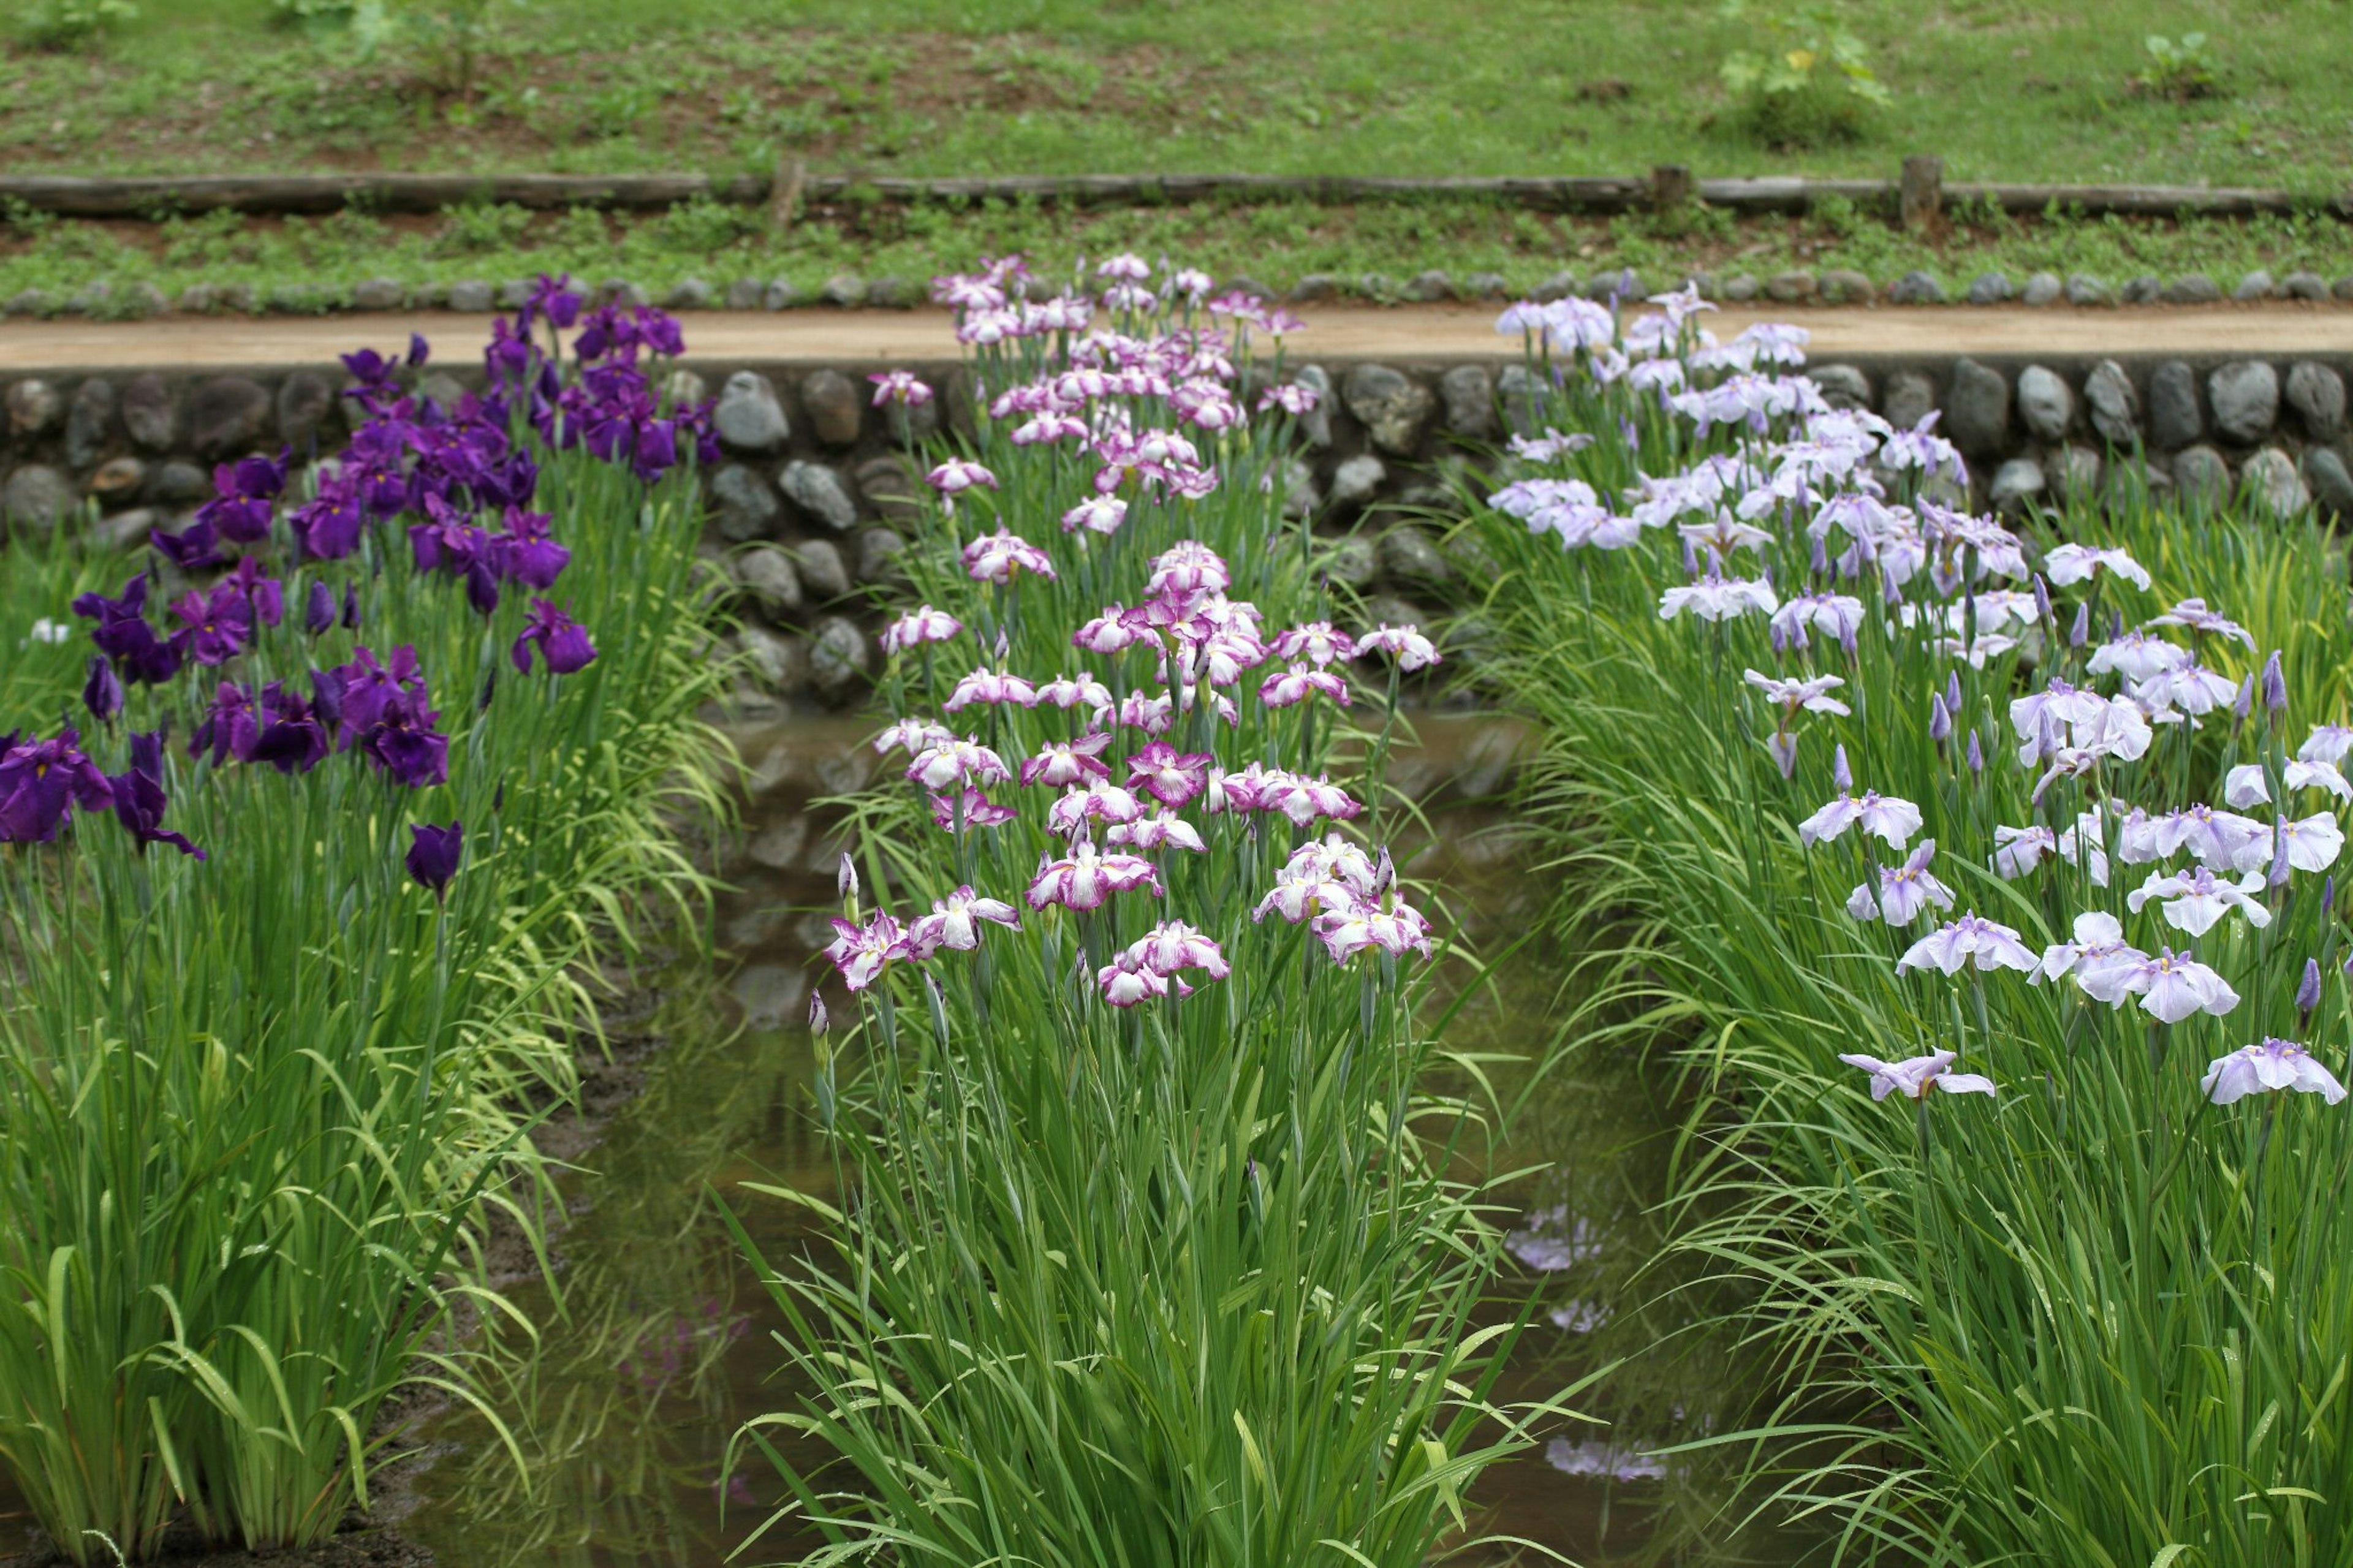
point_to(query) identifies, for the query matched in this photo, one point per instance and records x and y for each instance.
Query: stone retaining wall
(809, 504)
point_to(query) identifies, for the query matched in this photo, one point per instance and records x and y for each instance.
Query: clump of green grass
(257, 1109)
(1189, 1279)
(2096, 1317)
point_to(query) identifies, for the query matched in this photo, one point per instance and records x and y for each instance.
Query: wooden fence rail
(151, 197)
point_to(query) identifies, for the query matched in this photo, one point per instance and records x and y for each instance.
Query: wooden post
(1671, 188)
(785, 192)
(1922, 198)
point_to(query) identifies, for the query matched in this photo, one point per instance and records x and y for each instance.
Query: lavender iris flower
(2275, 686)
(1892, 821)
(2171, 985)
(1970, 938)
(2308, 992)
(2194, 899)
(433, 855)
(561, 640)
(1905, 893)
(1915, 1075)
(2274, 1064)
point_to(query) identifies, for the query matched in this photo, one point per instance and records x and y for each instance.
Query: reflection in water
(623, 1414)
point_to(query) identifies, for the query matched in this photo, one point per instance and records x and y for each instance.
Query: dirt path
(1446, 331)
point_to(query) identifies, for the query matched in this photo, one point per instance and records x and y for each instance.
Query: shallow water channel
(663, 1349)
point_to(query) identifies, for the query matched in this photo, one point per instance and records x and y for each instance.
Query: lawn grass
(2002, 90)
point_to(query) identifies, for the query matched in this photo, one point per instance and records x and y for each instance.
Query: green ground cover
(312, 263)
(2003, 89)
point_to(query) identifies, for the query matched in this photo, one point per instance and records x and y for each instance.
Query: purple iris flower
(103, 692)
(524, 554)
(265, 598)
(448, 544)
(419, 351)
(695, 421)
(129, 606)
(481, 585)
(146, 752)
(229, 727)
(242, 492)
(433, 855)
(139, 798)
(509, 356)
(257, 479)
(124, 635)
(194, 549)
(370, 686)
(553, 296)
(40, 783)
(319, 609)
(327, 526)
(605, 332)
(370, 370)
(217, 626)
(561, 641)
(350, 615)
(511, 483)
(406, 748)
(240, 520)
(2308, 992)
(656, 450)
(292, 740)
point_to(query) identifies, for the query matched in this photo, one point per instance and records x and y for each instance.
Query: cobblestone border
(808, 505)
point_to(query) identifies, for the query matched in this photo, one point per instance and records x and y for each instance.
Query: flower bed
(1151, 1247)
(274, 1032)
(2030, 828)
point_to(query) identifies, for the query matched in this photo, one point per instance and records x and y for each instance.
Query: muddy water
(662, 1348)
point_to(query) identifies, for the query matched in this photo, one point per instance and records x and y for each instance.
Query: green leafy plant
(255, 1108)
(1808, 83)
(2181, 70)
(1128, 1270)
(2098, 1317)
(75, 23)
